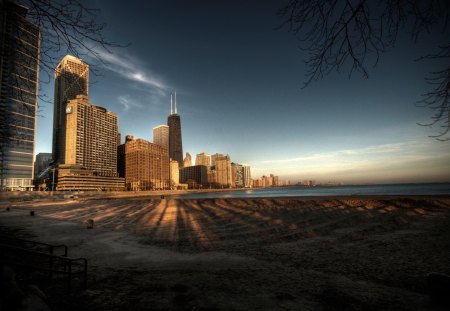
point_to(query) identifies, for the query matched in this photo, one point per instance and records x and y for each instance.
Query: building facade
(223, 171)
(237, 175)
(71, 79)
(187, 160)
(174, 174)
(91, 137)
(146, 166)
(161, 136)
(195, 176)
(19, 72)
(247, 176)
(203, 159)
(214, 158)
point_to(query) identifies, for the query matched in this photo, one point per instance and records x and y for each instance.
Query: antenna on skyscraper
(175, 102)
(171, 111)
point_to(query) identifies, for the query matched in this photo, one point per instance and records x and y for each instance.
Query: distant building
(214, 158)
(223, 171)
(91, 137)
(194, 176)
(161, 136)
(146, 166)
(203, 159)
(71, 80)
(174, 174)
(237, 175)
(19, 72)
(175, 140)
(42, 162)
(246, 176)
(187, 160)
(212, 175)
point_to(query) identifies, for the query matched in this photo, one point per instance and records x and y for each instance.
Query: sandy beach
(341, 253)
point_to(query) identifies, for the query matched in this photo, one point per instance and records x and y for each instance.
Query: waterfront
(295, 191)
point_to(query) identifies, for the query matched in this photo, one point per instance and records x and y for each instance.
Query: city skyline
(240, 94)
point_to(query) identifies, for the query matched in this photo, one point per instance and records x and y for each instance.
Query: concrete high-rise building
(214, 157)
(19, 72)
(187, 160)
(203, 159)
(175, 140)
(174, 174)
(71, 79)
(146, 166)
(246, 176)
(223, 171)
(91, 137)
(161, 136)
(237, 175)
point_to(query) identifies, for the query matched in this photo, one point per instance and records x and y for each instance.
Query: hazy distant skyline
(238, 84)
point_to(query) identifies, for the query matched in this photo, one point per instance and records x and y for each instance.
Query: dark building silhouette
(175, 141)
(42, 162)
(19, 72)
(194, 176)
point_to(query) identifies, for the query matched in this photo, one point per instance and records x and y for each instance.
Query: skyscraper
(187, 160)
(237, 175)
(223, 171)
(161, 136)
(19, 71)
(91, 137)
(71, 79)
(175, 141)
(203, 159)
(247, 176)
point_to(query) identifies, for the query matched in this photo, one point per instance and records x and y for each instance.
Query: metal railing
(40, 260)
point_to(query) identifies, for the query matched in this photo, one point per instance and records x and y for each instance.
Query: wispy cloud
(370, 150)
(131, 69)
(127, 102)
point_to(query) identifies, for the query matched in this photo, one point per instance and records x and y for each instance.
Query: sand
(342, 253)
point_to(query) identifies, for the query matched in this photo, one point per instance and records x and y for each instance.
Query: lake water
(394, 189)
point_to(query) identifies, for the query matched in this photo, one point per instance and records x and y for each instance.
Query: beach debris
(8, 209)
(89, 224)
(31, 213)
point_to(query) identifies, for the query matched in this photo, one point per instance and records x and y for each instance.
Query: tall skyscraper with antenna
(174, 123)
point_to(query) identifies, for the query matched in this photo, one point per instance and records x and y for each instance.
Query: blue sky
(239, 87)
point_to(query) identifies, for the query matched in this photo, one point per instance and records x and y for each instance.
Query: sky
(239, 92)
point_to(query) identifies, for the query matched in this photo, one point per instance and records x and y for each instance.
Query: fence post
(69, 277)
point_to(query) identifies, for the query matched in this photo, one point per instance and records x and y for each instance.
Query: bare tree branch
(351, 35)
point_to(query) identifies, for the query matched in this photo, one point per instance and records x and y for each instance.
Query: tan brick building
(146, 165)
(71, 79)
(91, 137)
